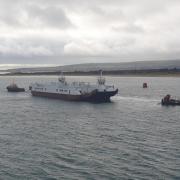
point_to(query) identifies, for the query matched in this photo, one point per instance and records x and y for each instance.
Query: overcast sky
(77, 31)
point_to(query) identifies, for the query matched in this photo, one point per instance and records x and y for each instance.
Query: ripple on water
(133, 137)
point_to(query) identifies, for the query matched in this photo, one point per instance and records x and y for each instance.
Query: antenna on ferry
(13, 81)
(62, 78)
(101, 72)
(101, 79)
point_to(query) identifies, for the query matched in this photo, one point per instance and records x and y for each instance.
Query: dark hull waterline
(15, 89)
(171, 103)
(95, 96)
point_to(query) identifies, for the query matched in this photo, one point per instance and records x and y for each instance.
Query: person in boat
(168, 100)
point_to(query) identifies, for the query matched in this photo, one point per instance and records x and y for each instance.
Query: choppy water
(133, 137)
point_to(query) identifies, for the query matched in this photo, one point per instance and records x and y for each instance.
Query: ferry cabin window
(56, 90)
(40, 89)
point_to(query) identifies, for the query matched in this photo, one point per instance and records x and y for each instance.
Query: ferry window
(56, 90)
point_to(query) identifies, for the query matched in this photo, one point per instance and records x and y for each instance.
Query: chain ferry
(75, 91)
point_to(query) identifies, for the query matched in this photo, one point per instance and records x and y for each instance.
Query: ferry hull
(95, 96)
(101, 96)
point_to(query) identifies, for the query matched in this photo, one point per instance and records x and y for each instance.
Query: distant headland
(138, 68)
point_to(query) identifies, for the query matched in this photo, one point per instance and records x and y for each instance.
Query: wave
(135, 98)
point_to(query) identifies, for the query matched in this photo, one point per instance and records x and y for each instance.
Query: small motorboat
(168, 101)
(14, 88)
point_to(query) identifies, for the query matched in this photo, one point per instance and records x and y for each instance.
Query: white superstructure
(75, 90)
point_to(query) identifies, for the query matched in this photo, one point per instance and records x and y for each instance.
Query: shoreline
(115, 74)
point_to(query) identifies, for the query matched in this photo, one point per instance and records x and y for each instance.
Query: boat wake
(135, 98)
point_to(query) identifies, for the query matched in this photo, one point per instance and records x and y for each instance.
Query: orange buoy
(145, 85)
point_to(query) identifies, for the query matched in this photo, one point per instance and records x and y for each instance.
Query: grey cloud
(129, 28)
(9, 12)
(30, 47)
(119, 28)
(49, 16)
(21, 14)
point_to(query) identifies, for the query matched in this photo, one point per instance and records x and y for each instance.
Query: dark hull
(171, 103)
(15, 89)
(101, 96)
(95, 96)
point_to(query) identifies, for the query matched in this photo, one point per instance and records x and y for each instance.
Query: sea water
(133, 137)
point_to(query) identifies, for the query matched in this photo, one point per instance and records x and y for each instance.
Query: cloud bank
(60, 31)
